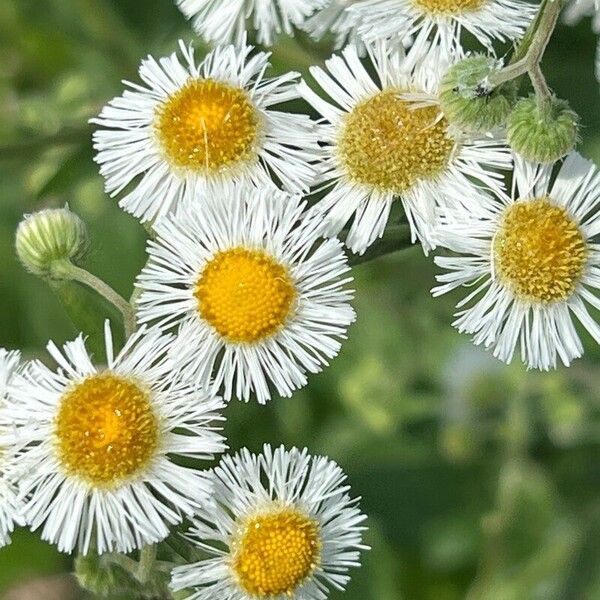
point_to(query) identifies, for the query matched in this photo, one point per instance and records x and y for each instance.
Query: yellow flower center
(276, 553)
(106, 430)
(387, 144)
(244, 294)
(539, 251)
(208, 125)
(449, 7)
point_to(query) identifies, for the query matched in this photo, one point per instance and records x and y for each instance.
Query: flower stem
(68, 270)
(395, 238)
(146, 564)
(529, 55)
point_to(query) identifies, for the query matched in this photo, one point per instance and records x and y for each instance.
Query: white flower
(281, 527)
(443, 20)
(96, 469)
(202, 125)
(258, 295)
(530, 263)
(387, 140)
(224, 21)
(9, 363)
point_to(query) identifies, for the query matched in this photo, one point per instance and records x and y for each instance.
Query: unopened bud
(50, 238)
(468, 99)
(542, 131)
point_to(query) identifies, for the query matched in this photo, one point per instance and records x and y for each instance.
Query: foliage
(481, 482)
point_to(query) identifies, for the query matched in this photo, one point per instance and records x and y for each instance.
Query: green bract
(49, 238)
(542, 132)
(469, 101)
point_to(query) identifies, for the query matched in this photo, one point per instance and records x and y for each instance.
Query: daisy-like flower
(530, 262)
(9, 363)
(224, 21)
(442, 21)
(203, 125)
(387, 140)
(281, 525)
(97, 467)
(257, 294)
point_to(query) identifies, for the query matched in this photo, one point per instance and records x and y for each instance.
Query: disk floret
(388, 144)
(449, 7)
(106, 430)
(276, 552)
(245, 294)
(539, 251)
(208, 125)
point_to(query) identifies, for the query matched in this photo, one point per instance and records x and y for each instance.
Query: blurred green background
(481, 480)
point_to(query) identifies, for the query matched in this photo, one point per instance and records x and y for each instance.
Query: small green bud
(542, 132)
(49, 238)
(469, 100)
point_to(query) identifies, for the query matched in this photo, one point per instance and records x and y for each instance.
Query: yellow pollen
(276, 553)
(208, 125)
(539, 251)
(106, 430)
(244, 294)
(387, 144)
(449, 7)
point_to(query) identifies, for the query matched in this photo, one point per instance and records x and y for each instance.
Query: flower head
(258, 296)
(532, 262)
(96, 468)
(204, 125)
(388, 140)
(281, 525)
(224, 21)
(443, 20)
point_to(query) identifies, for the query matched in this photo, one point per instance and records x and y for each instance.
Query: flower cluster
(255, 214)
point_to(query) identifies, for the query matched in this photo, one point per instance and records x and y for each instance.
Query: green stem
(523, 46)
(395, 238)
(67, 270)
(146, 564)
(529, 55)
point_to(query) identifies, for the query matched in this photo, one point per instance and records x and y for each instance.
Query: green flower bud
(49, 238)
(542, 132)
(468, 99)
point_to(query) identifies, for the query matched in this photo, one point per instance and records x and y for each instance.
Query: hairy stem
(529, 55)
(146, 564)
(68, 270)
